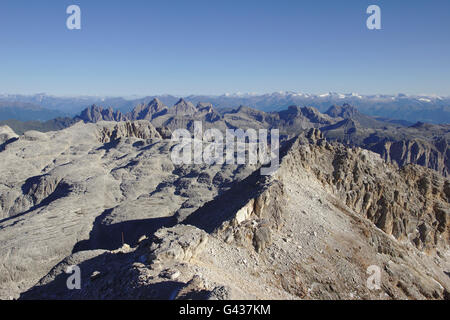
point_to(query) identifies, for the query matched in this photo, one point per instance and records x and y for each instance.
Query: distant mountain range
(400, 141)
(396, 141)
(432, 109)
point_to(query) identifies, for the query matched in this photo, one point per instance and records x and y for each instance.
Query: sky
(181, 47)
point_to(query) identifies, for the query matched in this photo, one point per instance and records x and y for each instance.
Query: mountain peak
(181, 101)
(344, 111)
(155, 101)
(96, 113)
(146, 112)
(183, 107)
(156, 105)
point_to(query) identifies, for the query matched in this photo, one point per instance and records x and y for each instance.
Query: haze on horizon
(199, 47)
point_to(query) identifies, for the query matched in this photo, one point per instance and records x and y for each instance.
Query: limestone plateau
(351, 192)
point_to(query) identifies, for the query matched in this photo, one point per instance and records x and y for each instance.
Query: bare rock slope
(310, 231)
(89, 187)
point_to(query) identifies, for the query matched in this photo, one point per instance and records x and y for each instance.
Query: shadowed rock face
(432, 154)
(141, 228)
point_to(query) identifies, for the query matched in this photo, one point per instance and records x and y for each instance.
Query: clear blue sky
(217, 46)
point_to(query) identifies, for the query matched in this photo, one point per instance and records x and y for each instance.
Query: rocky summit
(105, 196)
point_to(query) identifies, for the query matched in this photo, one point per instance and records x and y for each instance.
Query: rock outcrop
(136, 129)
(7, 134)
(431, 154)
(177, 244)
(411, 203)
(96, 114)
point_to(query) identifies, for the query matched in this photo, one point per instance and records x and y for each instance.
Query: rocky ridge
(309, 232)
(423, 144)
